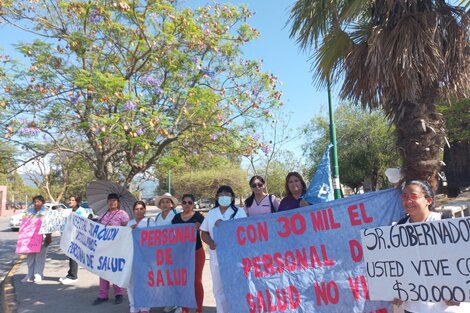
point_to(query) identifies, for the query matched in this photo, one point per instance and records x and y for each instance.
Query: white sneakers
(26, 279)
(67, 281)
(37, 278)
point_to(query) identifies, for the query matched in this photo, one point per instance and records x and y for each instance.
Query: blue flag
(320, 189)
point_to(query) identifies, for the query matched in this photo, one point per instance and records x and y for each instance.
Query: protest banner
(164, 265)
(419, 262)
(29, 239)
(305, 260)
(54, 220)
(104, 250)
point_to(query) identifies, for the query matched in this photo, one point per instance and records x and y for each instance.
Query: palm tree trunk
(420, 135)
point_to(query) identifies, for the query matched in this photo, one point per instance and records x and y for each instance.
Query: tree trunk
(419, 139)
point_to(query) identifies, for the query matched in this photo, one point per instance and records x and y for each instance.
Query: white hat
(166, 195)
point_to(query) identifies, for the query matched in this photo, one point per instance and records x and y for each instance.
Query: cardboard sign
(29, 239)
(427, 262)
(54, 220)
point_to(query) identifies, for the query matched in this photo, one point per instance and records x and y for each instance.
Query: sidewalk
(52, 297)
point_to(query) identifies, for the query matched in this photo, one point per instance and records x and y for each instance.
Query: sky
(280, 54)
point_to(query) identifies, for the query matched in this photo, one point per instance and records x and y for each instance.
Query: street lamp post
(335, 178)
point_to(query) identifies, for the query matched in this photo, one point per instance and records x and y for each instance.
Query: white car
(15, 221)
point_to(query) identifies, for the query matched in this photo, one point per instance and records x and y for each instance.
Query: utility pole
(335, 178)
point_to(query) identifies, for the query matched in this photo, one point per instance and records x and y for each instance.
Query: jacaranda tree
(120, 82)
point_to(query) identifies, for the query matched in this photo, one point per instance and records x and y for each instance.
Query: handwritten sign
(54, 220)
(305, 260)
(419, 262)
(104, 250)
(29, 239)
(164, 265)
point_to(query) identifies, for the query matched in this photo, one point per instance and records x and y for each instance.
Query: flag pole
(335, 178)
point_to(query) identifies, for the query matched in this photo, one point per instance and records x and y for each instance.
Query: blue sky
(280, 54)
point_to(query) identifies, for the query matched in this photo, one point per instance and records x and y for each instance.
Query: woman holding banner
(260, 202)
(295, 188)
(224, 210)
(113, 217)
(140, 221)
(418, 201)
(36, 260)
(189, 216)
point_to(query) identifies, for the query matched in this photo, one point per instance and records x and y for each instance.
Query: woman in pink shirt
(113, 217)
(260, 202)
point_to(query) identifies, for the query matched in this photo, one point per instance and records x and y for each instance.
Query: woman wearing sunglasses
(260, 202)
(417, 198)
(189, 216)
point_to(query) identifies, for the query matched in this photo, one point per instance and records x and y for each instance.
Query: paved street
(7, 247)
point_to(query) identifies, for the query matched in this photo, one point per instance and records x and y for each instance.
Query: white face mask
(225, 200)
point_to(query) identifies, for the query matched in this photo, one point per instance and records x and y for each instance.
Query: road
(7, 247)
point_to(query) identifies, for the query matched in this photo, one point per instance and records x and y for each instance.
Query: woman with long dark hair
(295, 187)
(260, 202)
(224, 210)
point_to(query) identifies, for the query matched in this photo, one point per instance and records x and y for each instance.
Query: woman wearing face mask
(224, 210)
(417, 198)
(295, 189)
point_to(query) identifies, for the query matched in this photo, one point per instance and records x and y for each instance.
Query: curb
(9, 304)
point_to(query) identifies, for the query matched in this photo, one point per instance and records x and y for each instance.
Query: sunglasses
(411, 196)
(187, 202)
(259, 185)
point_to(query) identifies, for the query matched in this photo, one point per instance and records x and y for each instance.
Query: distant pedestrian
(224, 210)
(113, 217)
(37, 261)
(140, 221)
(72, 274)
(189, 216)
(295, 187)
(260, 202)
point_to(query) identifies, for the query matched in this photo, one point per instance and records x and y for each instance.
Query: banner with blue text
(104, 250)
(164, 265)
(305, 260)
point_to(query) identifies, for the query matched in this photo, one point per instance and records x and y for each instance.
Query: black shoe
(118, 299)
(99, 301)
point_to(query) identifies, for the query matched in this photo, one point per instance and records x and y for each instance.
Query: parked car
(55, 206)
(204, 205)
(15, 221)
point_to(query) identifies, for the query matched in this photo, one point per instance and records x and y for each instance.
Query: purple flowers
(256, 137)
(129, 105)
(214, 136)
(139, 132)
(94, 17)
(266, 149)
(29, 131)
(152, 82)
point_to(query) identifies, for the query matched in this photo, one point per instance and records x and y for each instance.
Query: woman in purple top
(260, 202)
(295, 188)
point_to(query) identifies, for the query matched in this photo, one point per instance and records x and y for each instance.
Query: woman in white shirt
(418, 200)
(167, 203)
(224, 210)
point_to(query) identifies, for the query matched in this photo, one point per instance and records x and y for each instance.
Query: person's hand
(48, 240)
(303, 203)
(452, 303)
(212, 245)
(397, 301)
(134, 226)
(197, 225)
(218, 222)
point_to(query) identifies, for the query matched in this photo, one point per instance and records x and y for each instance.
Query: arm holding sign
(206, 237)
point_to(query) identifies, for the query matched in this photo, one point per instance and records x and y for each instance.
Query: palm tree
(399, 55)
